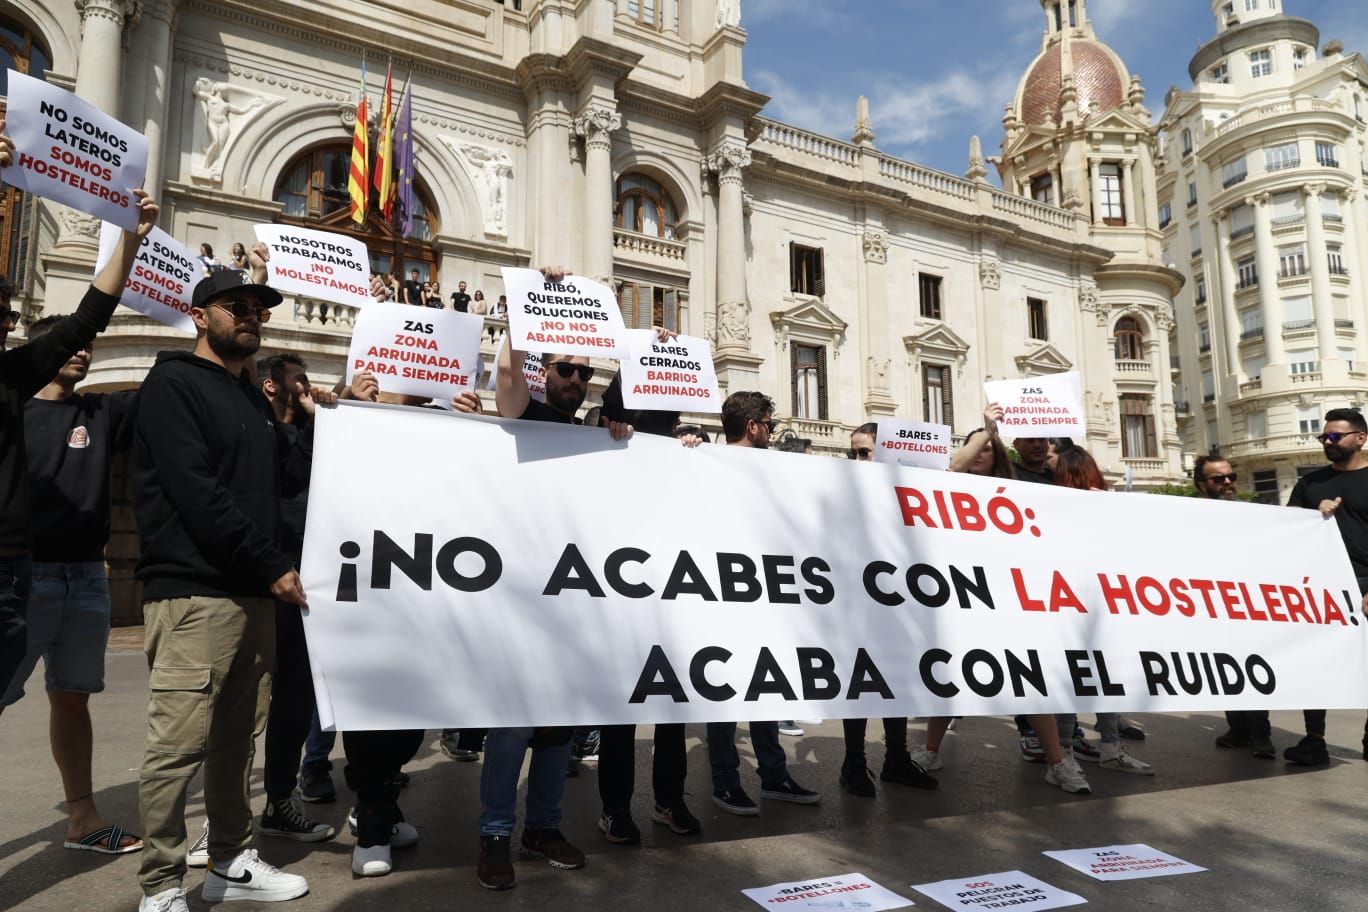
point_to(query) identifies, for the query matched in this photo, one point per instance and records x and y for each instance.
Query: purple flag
(403, 159)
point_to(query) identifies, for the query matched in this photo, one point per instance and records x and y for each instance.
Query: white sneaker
(1114, 757)
(248, 877)
(172, 900)
(790, 728)
(403, 835)
(198, 854)
(1068, 776)
(927, 759)
(372, 861)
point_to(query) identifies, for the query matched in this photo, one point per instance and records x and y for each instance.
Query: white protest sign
(942, 594)
(533, 373)
(69, 151)
(1123, 862)
(849, 891)
(913, 443)
(1007, 890)
(416, 351)
(317, 264)
(575, 316)
(1046, 406)
(163, 278)
(673, 376)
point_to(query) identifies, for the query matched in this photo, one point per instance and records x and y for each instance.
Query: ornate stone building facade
(619, 137)
(1261, 202)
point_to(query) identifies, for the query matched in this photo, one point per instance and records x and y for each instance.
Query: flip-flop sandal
(106, 841)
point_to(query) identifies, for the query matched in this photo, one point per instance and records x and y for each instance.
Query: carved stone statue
(733, 324)
(878, 372)
(728, 13)
(490, 170)
(213, 97)
(990, 274)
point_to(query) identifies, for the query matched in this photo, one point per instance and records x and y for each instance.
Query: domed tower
(1077, 135)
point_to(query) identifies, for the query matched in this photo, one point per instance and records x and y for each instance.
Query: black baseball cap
(222, 281)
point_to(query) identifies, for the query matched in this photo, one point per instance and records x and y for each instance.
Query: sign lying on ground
(849, 891)
(768, 585)
(1007, 890)
(1123, 862)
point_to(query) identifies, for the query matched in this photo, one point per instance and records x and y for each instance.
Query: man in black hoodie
(210, 466)
(23, 372)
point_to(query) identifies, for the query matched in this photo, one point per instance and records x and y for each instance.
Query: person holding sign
(210, 466)
(899, 764)
(23, 372)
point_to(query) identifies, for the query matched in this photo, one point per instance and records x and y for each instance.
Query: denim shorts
(68, 627)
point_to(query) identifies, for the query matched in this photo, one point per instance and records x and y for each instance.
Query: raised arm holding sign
(1047, 406)
(74, 153)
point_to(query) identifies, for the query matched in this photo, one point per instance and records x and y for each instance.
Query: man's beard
(229, 347)
(563, 400)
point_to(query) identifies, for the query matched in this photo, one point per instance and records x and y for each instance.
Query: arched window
(313, 191)
(642, 205)
(21, 50)
(1130, 340)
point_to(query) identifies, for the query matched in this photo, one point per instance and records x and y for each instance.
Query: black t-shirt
(460, 301)
(413, 292)
(540, 411)
(1352, 515)
(1024, 474)
(71, 446)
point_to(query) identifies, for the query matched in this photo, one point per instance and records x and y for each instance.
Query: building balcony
(1241, 232)
(1133, 367)
(1201, 300)
(1331, 219)
(1252, 385)
(819, 432)
(1305, 377)
(1174, 362)
(1343, 324)
(649, 246)
(1208, 398)
(1182, 407)
(1204, 348)
(1196, 252)
(1285, 221)
(1234, 179)
(1292, 325)
(1339, 271)
(1283, 165)
(1327, 161)
(1293, 273)
(1251, 282)
(1254, 332)
(1285, 443)
(1145, 465)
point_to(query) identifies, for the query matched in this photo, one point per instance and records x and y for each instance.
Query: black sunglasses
(862, 453)
(1335, 436)
(1222, 478)
(768, 425)
(565, 369)
(241, 309)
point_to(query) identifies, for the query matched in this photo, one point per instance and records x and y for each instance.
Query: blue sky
(938, 72)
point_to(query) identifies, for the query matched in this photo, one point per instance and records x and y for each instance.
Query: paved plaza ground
(1273, 837)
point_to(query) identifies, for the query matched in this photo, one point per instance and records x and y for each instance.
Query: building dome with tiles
(1099, 77)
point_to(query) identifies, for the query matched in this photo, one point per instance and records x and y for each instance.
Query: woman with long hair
(239, 257)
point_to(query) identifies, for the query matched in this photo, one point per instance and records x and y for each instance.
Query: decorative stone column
(1266, 262)
(1132, 204)
(1230, 315)
(1095, 176)
(733, 306)
(158, 24)
(878, 397)
(596, 123)
(1323, 305)
(1349, 212)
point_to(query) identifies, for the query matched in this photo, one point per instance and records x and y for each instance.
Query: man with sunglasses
(567, 383)
(1248, 728)
(748, 421)
(210, 466)
(1339, 490)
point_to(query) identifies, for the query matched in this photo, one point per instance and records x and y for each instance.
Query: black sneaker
(857, 780)
(1309, 751)
(1233, 738)
(550, 844)
(315, 783)
(618, 827)
(1261, 746)
(495, 869)
(1130, 730)
(903, 770)
(678, 818)
(586, 747)
(789, 791)
(284, 819)
(736, 801)
(400, 780)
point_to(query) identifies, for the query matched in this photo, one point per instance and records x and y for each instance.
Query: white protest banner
(1046, 406)
(673, 376)
(575, 316)
(317, 264)
(854, 590)
(1124, 862)
(1007, 890)
(69, 151)
(857, 891)
(533, 373)
(913, 443)
(163, 277)
(416, 351)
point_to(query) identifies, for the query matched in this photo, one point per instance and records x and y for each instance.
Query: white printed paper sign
(913, 443)
(163, 278)
(1007, 890)
(1124, 862)
(575, 316)
(416, 351)
(533, 373)
(70, 151)
(317, 264)
(673, 376)
(1048, 406)
(849, 891)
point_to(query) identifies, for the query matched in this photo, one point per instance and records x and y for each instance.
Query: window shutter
(819, 284)
(947, 397)
(627, 300)
(821, 380)
(926, 392)
(793, 378)
(795, 279)
(1151, 446)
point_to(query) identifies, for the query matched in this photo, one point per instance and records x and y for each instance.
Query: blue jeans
(504, 749)
(319, 745)
(16, 575)
(726, 763)
(68, 627)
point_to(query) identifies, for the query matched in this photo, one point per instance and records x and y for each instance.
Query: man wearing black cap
(210, 465)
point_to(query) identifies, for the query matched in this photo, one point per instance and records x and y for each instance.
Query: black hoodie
(210, 465)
